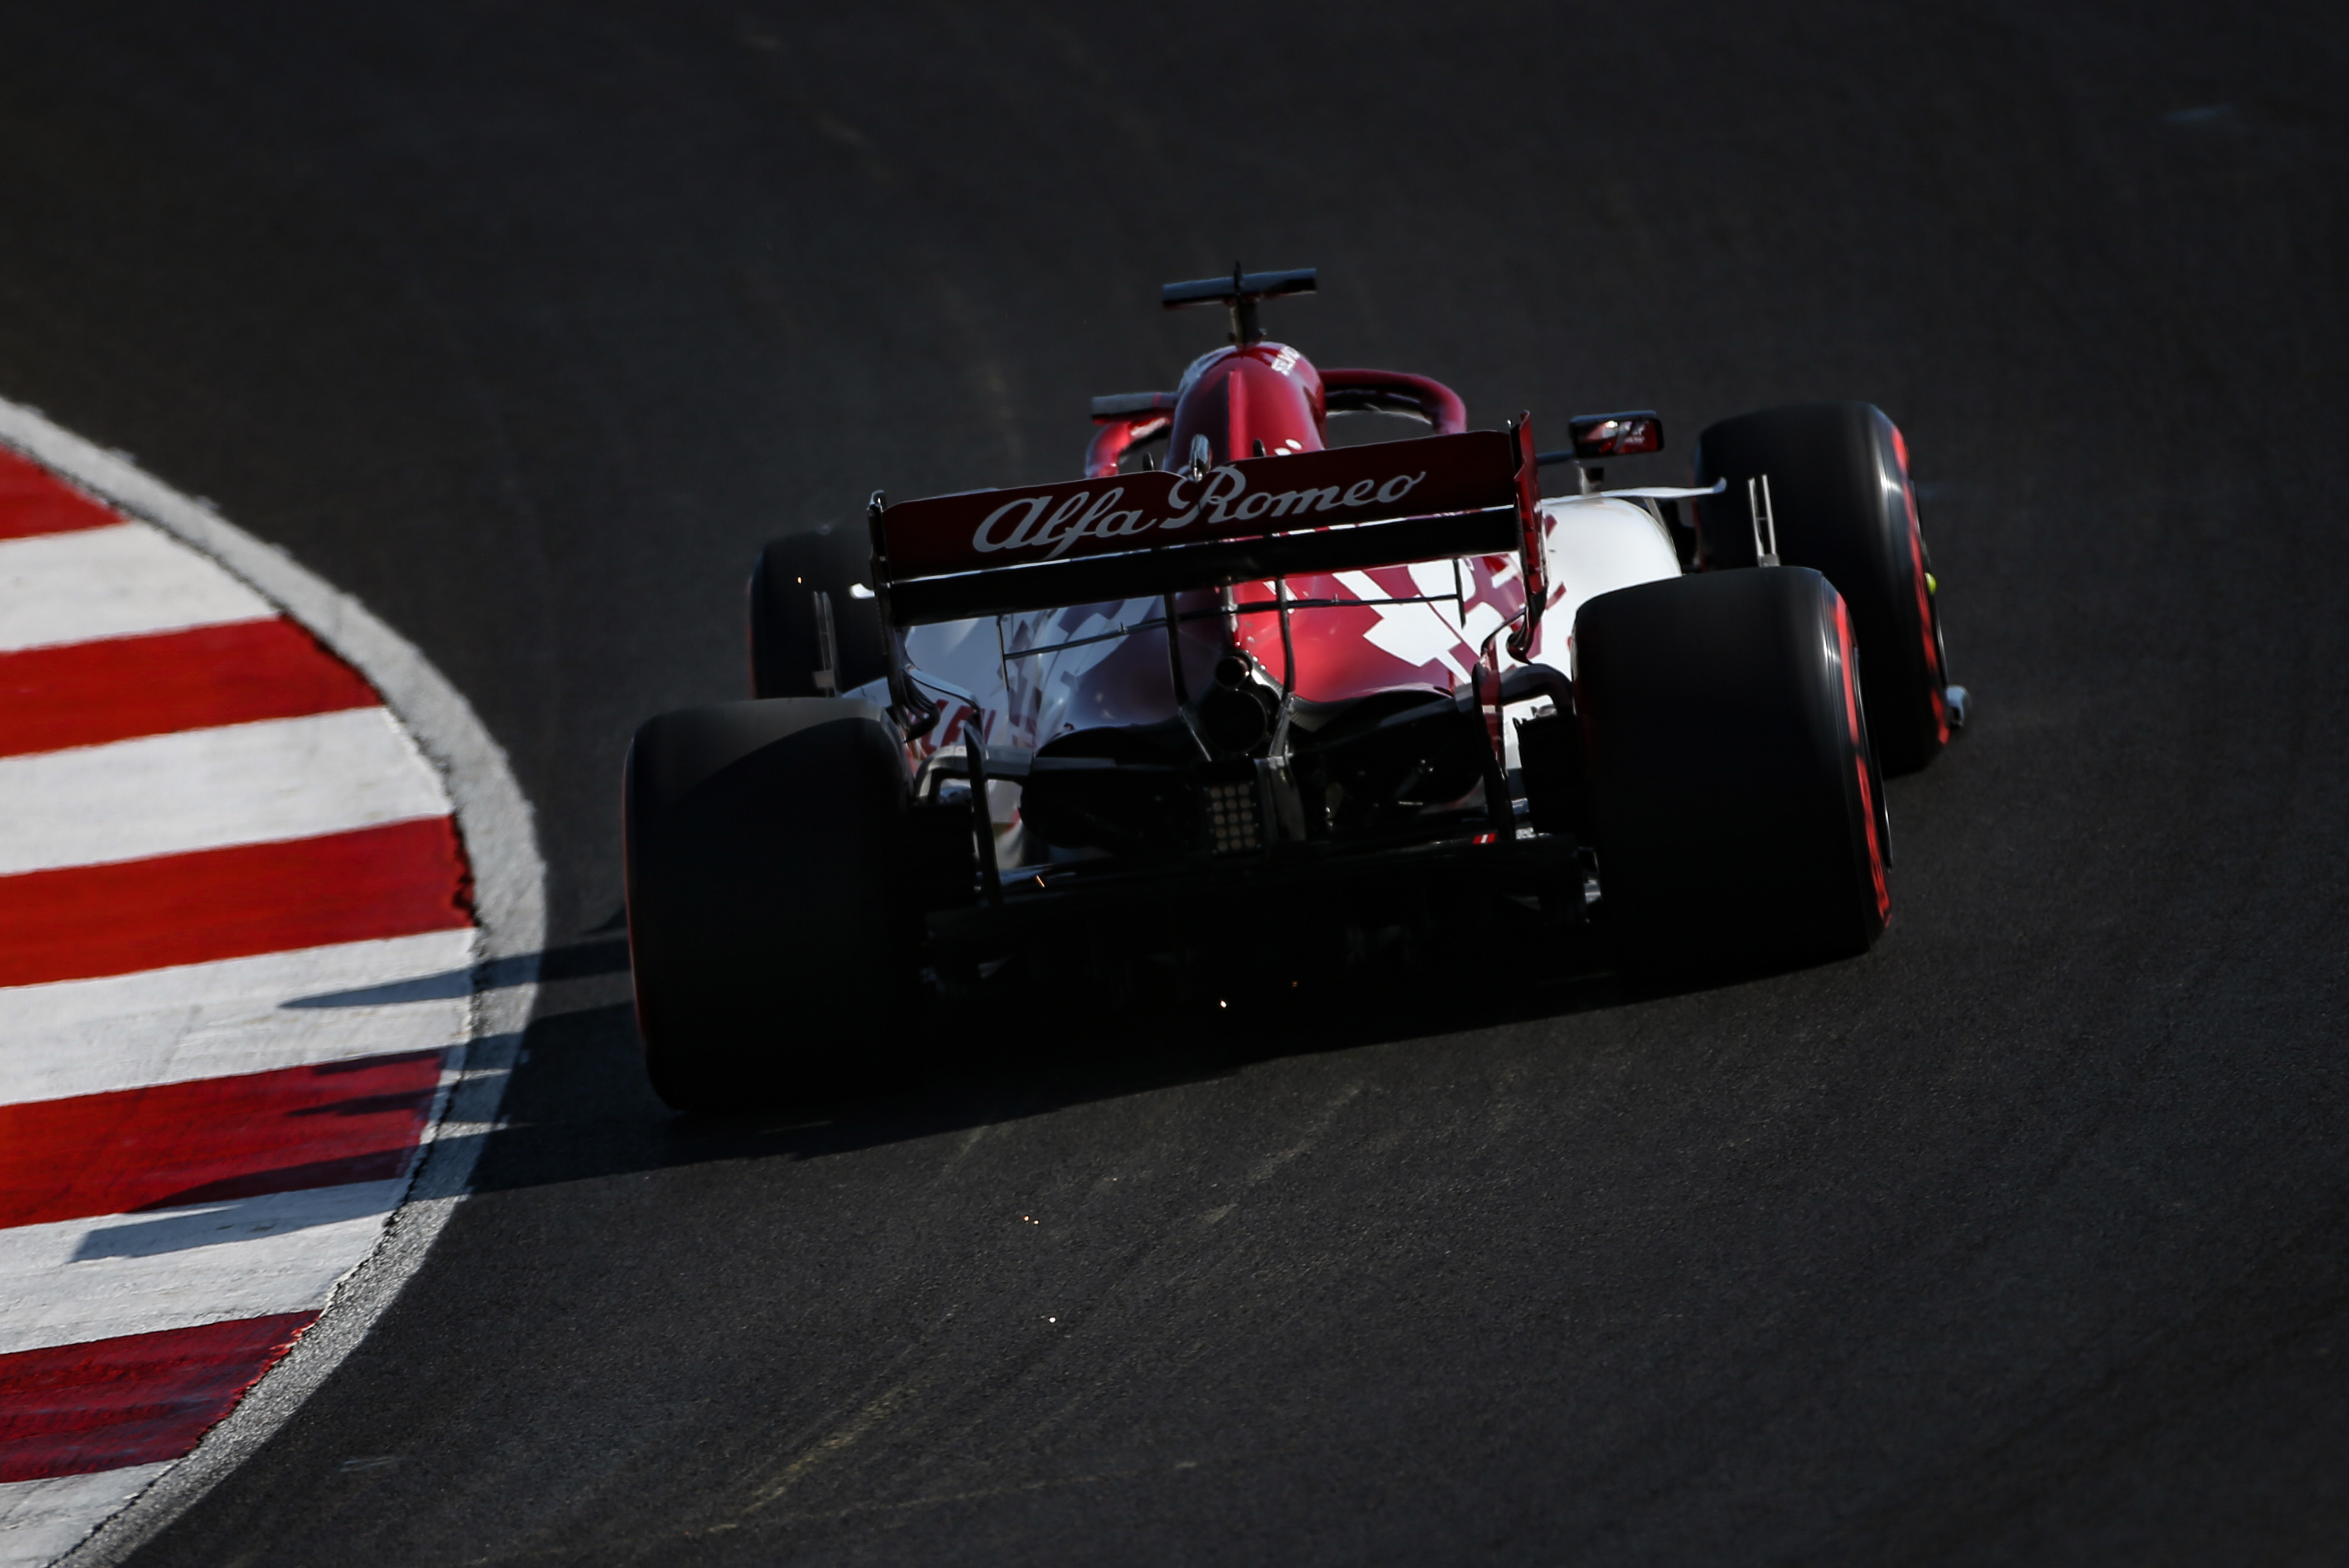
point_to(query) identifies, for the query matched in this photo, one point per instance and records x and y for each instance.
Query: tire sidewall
(772, 946)
(1728, 773)
(1845, 506)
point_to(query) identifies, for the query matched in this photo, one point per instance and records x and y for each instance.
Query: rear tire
(1737, 812)
(770, 935)
(786, 647)
(1840, 492)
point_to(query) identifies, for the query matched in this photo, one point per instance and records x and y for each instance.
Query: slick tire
(830, 564)
(1738, 813)
(1844, 507)
(772, 944)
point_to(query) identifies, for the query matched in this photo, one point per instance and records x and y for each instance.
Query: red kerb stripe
(33, 500)
(211, 1139)
(70, 1409)
(83, 920)
(87, 693)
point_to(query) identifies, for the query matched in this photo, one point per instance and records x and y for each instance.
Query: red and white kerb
(223, 867)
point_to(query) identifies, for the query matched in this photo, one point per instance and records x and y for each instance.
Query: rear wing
(1135, 535)
(1138, 535)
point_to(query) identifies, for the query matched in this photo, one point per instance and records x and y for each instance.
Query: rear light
(1233, 824)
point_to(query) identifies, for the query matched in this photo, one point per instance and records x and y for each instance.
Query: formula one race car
(1270, 710)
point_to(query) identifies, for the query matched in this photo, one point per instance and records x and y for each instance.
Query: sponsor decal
(1467, 472)
(1222, 496)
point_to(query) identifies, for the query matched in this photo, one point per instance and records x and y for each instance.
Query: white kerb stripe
(508, 885)
(206, 789)
(98, 583)
(39, 1519)
(239, 1015)
(76, 1280)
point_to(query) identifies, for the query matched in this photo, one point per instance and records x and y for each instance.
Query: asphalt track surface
(2020, 1239)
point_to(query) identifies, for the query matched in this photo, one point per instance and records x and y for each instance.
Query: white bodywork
(1596, 544)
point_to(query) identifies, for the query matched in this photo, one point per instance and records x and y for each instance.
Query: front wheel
(814, 630)
(773, 943)
(1845, 506)
(1735, 803)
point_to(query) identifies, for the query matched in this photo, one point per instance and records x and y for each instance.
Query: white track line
(98, 583)
(509, 885)
(215, 1020)
(39, 1519)
(207, 789)
(77, 1279)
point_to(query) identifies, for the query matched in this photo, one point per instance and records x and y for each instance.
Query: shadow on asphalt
(579, 1106)
(581, 960)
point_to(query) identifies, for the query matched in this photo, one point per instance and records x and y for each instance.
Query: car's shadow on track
(579, 1106)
